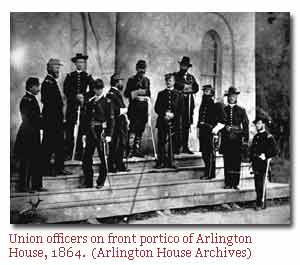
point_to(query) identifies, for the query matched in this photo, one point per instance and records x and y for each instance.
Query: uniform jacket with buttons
(137, 109)
(99, 111)
(167, 100)
(28, 137)
(52, 103)
(117, 101)
(77, 83)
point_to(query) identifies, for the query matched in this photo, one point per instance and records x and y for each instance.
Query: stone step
(82, 205)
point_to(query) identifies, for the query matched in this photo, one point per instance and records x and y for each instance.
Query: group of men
(95, 120)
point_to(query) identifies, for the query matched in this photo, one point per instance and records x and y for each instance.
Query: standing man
(211, 121)
(138, 93)
(234, 135)
(263, 147)
(28, 142)
(97, 131)
(118, 143)
(187, 85)
(168, 105)
(77, 89)
(53, 136)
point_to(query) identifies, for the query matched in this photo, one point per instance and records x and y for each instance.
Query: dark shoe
(84, 186)
(258, 208)
(62, 172)
(227, 187)
(138, 154)
(187, 151)
(159, 165)
(204, 177)
(99, 186)
(123, 169)
(40, 189)
(236, 188)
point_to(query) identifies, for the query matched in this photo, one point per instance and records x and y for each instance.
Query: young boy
(28, 141)
(167, 106)
(263, 147)
(97, 129)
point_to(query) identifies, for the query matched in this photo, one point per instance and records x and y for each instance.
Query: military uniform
(263, 143)
(28, 144)
(118, 142)
(99, 121)
(137, 91)
(77, 82)
(53, 135)
(167, 100)
(236, 132)
(210, 114)
(187, 85)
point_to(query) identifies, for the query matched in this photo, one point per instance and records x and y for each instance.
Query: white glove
(80, 98)
(108, 139)
(217, 128)
(123, 111)
(262, 156)
(84, 141)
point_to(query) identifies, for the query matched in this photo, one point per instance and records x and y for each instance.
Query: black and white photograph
(150, 118)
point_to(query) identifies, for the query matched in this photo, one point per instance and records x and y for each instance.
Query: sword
(265, 182)
(105, 158)
(151, 128)
(76, 130)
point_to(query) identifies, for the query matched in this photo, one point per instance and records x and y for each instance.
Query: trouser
(182, 137)
(69, 140)
(117, 146)
(53, 143)
(232, 166)
(136, 129)
(30, 173)
(165, 144)
(207, 150)
(93, 141)
(259, 168)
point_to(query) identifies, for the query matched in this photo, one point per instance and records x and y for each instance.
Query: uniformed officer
(53, 135)
(167, 106)
(77, 89)
(263, 147)
(138, 93)
(234, 135)
(187, 85)
(28, 142)
(118, 143)
(210, 121)
(97, 129)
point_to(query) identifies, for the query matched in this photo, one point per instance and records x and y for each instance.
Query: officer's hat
(209, 87)
(116, 77)
(32, 81)
(79, 56)
(232, 90)
(141, 64)
(262, 118)
(168, 76)
(98, 84)
(185, 61)
(54, 61)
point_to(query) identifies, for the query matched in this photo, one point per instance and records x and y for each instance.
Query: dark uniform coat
(263, 143)
(28, 144)
(99, 120)
(118, 144)
(77, 83)
(137, 110)
(236, 132)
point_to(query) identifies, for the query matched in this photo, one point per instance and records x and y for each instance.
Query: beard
(120, 87)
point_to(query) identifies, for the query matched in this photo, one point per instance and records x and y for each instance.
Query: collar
(79, 72)
(263, 131)
(231, 105)
(99, 97)
(52, 77)
(170, 89)
(113, 87)
(31, 94)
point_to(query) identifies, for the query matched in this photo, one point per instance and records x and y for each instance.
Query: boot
(137, 147)
(131, 145)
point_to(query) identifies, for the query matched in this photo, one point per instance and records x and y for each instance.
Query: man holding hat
(138, 93)
(210, 121)
(97, 130)
(118, 142)
(187, 85)
(53, 135)
(234, 135)
(263, 147)
(77, 89)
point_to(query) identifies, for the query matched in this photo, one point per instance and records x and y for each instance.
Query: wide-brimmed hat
(262, 118)
(79, 56)
(185, 61)
(232, 90)
(207, 87)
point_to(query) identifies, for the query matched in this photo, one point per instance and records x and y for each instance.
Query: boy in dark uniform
(234, 135)
(263, 147)
(210, 121)
(138, 93)
(187, 85)
(97, 130)
(118, 143)
(167, 106)
(28, 142)
(78, 89)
